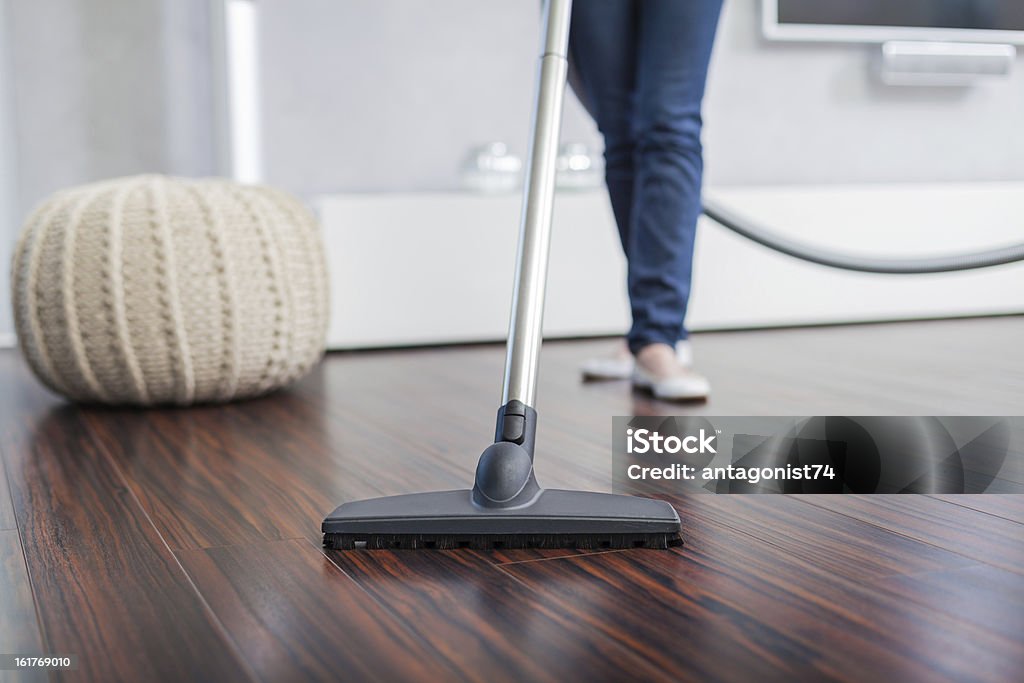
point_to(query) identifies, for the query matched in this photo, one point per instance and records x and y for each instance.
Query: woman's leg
(674, 41)
(602, 46)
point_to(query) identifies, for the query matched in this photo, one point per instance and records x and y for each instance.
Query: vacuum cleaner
(507, 508)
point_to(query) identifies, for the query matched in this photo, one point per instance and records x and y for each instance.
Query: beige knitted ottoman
(154, 290)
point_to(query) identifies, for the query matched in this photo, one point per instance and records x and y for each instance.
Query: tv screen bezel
(773, 29)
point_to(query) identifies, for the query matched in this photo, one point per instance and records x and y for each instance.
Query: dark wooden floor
(183, 544)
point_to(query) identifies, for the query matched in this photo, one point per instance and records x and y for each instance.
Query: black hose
(824, 257)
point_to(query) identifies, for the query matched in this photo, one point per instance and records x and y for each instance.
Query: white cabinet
(437, 267)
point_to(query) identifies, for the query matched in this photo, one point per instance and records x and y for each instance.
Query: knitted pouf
(153, 290)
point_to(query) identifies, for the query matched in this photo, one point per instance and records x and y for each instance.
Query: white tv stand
(433, 268)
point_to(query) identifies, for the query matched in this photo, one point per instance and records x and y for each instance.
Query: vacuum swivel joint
(504, 474)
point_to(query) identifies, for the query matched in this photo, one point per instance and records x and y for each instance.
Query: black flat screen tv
(876, 21)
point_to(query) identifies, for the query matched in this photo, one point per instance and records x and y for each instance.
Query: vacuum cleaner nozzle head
(553, 519)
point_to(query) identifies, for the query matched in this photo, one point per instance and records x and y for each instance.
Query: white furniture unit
(435, 268)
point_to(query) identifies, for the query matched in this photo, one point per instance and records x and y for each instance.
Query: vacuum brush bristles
(555, 519)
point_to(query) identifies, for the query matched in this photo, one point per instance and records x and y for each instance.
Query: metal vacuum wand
(526, 325)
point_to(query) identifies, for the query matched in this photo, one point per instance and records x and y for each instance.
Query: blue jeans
(642, 65)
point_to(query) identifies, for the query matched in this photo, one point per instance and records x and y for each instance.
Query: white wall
(794, 113)
(389, 94)
(8, 183)
(100, 88)
(106, 88)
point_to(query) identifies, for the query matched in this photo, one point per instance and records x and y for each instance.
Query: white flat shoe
(659, 371)
(620, 365)
(685, 385)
